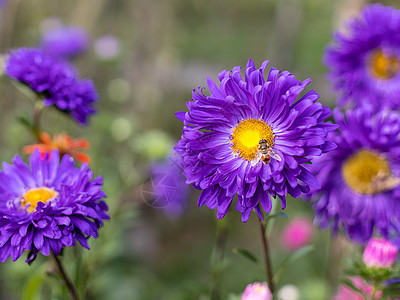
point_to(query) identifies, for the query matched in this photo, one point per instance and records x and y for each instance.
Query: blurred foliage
(167, 49)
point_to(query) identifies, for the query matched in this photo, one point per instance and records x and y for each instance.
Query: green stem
(218, 256)
(37, 113)
(374, 290)
(268, 265)
(66, 280)
(334, 254)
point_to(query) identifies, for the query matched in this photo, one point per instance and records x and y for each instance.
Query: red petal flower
(64, 143)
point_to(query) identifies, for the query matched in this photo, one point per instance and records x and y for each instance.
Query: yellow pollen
(247, 135)
(364, 171)
(259, 289)
(384, 66)
(36, 195)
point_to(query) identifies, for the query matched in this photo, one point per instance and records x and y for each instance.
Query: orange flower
(64, 143)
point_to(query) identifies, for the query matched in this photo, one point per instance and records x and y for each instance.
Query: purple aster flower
(64, 41)
(48, 205)
(360, 179)
(365, 62)
(251, 138)
(54, 79)
(170, 191)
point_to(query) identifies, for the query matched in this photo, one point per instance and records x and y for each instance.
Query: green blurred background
(167, 48)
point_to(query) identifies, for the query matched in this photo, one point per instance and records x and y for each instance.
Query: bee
(264, 153)
(383, 182)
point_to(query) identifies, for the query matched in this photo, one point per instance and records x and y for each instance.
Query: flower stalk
(373, 292)
(218, 263)
(66, 280)
(267, 258)
(37, 113)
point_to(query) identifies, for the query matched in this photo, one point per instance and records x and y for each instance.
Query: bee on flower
(243, 122)
(360, 186)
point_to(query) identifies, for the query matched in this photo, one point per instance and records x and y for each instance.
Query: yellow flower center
(366, 172)
(259, 288)
(384, 66)
(247, 135)
(36, 195)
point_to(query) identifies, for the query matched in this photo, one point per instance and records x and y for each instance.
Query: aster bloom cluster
(365, 62)
(48, 205)
(222, 134)
(55, 80)
(64, 41)
(359, 180)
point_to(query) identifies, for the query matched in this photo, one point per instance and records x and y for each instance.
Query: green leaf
(26, 90)
(280, 214)
(270, 219)
(307, 163)
(32, 288)
(25, 121)
(234, 296)
(221, 265)
(390, 292)
(245, 253)
(292, 258)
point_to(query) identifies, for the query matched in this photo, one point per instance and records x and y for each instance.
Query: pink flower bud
(257, 291)
(297, 234)
(380, 253)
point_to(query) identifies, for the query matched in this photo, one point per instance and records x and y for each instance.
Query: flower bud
(380, 253)
(257, 291)
(297, 234)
